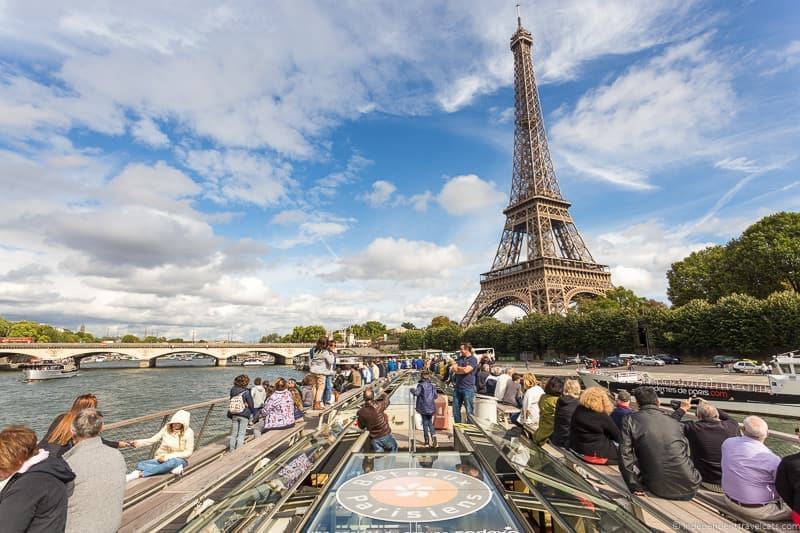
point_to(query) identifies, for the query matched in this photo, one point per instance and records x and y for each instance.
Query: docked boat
(253, 362)
(781, 387)
(43, 370)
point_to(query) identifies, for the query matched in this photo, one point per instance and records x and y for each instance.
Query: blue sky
(250, 166)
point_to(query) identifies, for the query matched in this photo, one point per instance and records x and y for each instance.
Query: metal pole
(155, 446)
(205, 423)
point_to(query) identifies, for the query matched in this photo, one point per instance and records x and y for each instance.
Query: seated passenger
(706, 436)
(787, 482)
(502, 382)
(372, 418)
(593, 434)
(565, 407)
(58, 438)
(513, 394)
(307, 390)
(547, 408)
(34, 484)
(278, 410)
(177, 444)
(530, 400)
(491, 381)
(654, 453)
(483, 375)
(748, 474)
(622, 408)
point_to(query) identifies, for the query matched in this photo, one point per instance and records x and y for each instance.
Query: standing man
(95, 502)
(372, 418)
(464, 368)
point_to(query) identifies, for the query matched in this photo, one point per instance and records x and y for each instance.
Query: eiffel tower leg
(472, 314)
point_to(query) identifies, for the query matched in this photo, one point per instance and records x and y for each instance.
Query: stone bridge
(147, 354)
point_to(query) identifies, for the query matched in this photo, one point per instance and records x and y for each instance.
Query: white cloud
(786, 59)
(148, 132)
(653, 114)
(468, 194)
(328, 186)
(380, 194)
(420, 201)
(400, 260)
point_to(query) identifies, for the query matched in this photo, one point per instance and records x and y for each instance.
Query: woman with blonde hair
(530, 400)
(565, 407)
(593, 434)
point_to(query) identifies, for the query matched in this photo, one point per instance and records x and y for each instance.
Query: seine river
(122, 393)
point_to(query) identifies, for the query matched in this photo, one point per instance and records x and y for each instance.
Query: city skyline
(254, 167)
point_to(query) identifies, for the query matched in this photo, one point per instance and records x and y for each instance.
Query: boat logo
(414, 495)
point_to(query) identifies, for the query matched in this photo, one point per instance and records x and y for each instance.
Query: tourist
(327, 397)
(513, 394)
(654, 453)
(391, 366)
(464, 369)
(382, 368)
(356, 379)
(565, 407)
(259, 395)
(278, 411)
(547, 408)
(375, 371)
(705, 436)
(425, 394)
(240, 410)
(530, 400)
(298, 403)
(787, 482)
(95, 501)
(58, 438)
(491, 381)
(480, 379)
(176, 445)
(321, 366)
(593, 435)
(372, 418)
(622, 408)
(340, 381)
(307, 390)
(33, 484)
(748, 474)
(502, 383)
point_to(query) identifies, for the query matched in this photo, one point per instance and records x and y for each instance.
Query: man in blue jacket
(426, 406)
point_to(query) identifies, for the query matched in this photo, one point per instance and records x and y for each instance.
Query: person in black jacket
(654, 453)
(593, 433)
(480, 382)
(565, 407)
(58, 438)
(706, 436)
(787, 482)
(243, 410)
(34, 497)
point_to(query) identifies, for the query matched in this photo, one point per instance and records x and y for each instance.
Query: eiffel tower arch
(542, 263)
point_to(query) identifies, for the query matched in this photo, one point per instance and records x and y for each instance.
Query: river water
(122, 393)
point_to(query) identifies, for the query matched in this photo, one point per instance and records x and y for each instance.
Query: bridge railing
(109, 347)
(208, 421)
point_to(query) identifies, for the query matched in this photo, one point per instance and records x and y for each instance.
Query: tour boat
(43, 370)
(253, 362)
(782, 387)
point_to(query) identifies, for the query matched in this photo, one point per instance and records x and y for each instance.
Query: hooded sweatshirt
(180, 445)
(34, 499)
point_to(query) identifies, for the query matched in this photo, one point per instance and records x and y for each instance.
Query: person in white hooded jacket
(177, 444)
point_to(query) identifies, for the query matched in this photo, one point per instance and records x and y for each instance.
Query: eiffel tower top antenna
(519, 17)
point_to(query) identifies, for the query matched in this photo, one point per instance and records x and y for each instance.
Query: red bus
(16, 340)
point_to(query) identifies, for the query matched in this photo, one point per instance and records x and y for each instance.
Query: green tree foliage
(176, 340)
(765, 259)
(305, 334)
(130, 338)
(413, 339)
(408, 325)
(368, 330)
(272, 337)
(441, 321)
(446, 337)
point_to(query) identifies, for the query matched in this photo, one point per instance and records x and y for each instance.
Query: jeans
(466, 398)
(427, 427)
(326, 396)
(384, 444)
(152, 467)
(319, 387)
(238, 431)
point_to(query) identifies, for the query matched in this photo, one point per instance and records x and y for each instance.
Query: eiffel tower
(556, 266)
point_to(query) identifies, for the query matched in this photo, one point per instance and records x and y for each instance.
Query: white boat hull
(39, 375)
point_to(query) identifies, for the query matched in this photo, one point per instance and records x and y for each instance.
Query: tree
(368, 330)
(413, 339)
(444, 337)
(305, 334)
(272, 337)
(441, 321)
(176, 340)
(618, 298)
(150, 339)
(766, 258)
(130, 338)
(701, 275)
(408, 325)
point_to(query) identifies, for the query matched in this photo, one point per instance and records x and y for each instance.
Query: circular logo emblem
(413, 495)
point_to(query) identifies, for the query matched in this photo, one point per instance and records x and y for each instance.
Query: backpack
(237, 405)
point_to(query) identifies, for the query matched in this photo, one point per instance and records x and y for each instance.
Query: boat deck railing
(749, 387)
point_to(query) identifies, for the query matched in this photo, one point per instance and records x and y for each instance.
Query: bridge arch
(493, 307)
(573, 297)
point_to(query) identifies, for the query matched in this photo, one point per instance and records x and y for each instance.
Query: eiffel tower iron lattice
(556, 265)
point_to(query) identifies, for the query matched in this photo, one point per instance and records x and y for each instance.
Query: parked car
(721, 360)
(669, 359)
(746, 366)
(611, 362)
(650, 360)
(554, 362)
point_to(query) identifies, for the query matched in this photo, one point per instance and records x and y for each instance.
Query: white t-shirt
(530, 405)
(502, 383)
